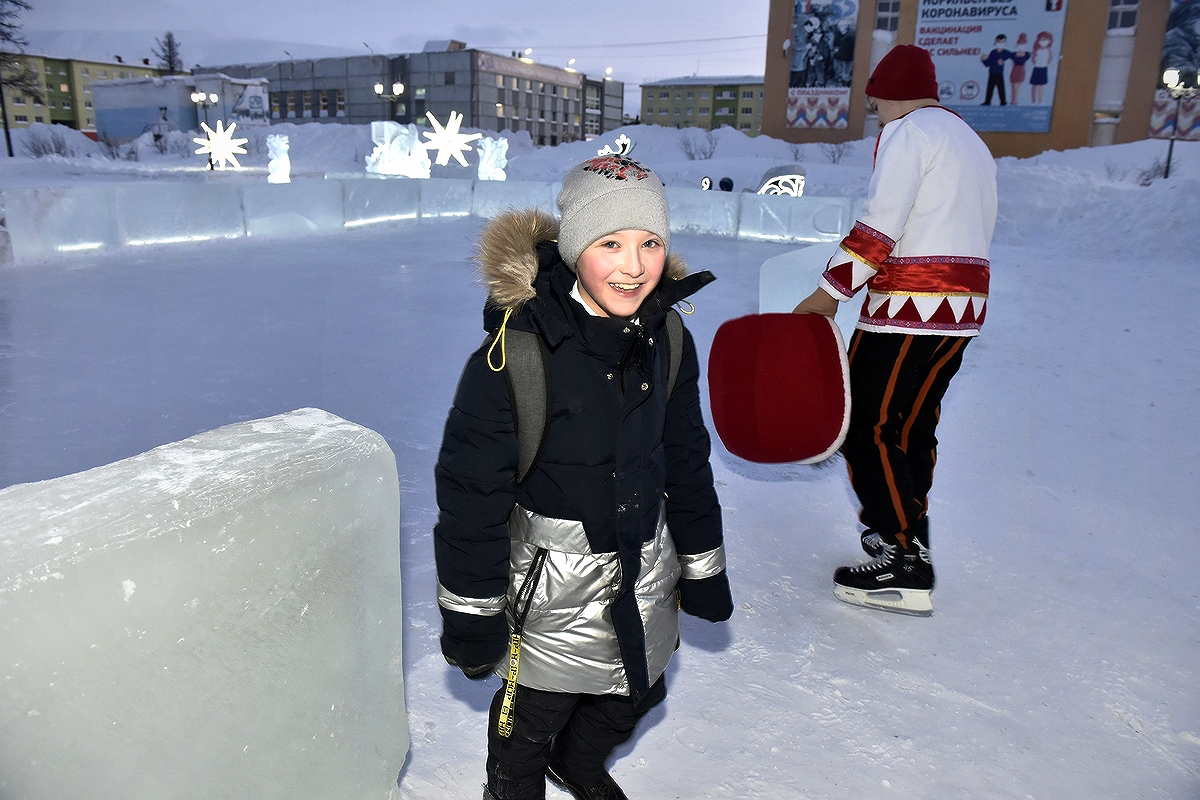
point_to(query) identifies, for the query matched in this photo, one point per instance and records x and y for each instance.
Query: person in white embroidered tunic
(920, 249)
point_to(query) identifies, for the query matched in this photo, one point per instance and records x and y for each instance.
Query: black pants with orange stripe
(897, 382)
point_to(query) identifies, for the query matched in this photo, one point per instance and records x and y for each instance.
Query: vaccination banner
(822, 63)
(996, 60)
(1181, 50)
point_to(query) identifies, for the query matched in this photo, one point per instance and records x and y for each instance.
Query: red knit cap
(905, 73)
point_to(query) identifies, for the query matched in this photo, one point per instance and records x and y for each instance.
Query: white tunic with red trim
(921, 245)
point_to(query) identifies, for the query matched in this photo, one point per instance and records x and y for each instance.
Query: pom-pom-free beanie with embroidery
(905, 73)
(608, 194)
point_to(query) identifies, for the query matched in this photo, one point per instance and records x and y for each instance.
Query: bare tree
(167, 51)
(16, 72)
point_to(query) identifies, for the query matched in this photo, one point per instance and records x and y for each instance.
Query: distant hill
(196, 47)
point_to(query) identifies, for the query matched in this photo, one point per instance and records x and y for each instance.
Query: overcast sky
(640, 41)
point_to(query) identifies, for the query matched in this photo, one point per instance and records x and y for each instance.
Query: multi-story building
(1066, 74)
(491, 91)
(65, 85)
(707, 102)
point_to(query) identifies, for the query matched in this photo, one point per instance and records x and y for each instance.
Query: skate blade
(899, 601)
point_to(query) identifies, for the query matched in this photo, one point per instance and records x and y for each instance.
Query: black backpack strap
(525, 369)
(674, 347)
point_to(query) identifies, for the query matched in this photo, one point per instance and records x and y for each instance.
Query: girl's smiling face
(618, 271)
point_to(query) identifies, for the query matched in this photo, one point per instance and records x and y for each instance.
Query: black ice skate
(604, 789)
(899, 579)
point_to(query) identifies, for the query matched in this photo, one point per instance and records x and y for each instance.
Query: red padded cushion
(779, 387)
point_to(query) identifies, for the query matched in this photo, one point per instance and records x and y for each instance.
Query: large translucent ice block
(46, 223)
(376, 201)
(793, 219)
(169, 213)
(786, 279)
(299, 208)
(705, 212)
(491, 198)
(215, 618)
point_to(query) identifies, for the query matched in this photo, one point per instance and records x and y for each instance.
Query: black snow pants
(897, 382)
(578, 730)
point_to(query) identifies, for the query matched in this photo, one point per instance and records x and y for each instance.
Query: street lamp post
(1174, 83)
(396, 93)
(205, 100)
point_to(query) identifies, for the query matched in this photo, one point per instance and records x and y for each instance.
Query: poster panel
(996, 60)
(1180, 117)
(822, 64)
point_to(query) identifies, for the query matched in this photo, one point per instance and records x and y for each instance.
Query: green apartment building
(706, 102)
(65, 84)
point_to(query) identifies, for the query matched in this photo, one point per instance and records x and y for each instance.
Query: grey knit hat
(608, 194)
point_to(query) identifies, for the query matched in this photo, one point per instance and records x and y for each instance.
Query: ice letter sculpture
(493, 158)
(279, 168)
(215, 618)
(398, 151)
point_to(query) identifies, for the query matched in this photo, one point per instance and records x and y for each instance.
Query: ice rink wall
(41, 224)
(215, 618)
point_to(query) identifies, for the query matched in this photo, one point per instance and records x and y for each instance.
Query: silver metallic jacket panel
(569, 643)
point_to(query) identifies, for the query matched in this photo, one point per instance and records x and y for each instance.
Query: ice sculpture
(493, 158)
(279, 168)
(398, 151)
(215, 618)
(625, 146)
(786, 180)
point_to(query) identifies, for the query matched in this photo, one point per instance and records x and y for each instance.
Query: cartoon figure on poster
(822, 64)
(1043, 55)
(1016, 76)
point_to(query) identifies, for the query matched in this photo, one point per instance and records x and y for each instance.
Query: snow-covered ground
(1064, 653)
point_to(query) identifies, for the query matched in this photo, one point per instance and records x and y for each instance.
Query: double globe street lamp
(396, 93)
(206, 100)
(1174, 82)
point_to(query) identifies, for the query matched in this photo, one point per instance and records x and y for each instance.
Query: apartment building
(66, 88)
(707, 102)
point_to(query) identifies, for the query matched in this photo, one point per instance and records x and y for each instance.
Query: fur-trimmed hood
(508, 259)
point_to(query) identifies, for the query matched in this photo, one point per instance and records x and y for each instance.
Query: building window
(37, 119)
(677, 112)
(274, 98)
(500, 81)
(704, 95)
(689, 112)
(62, 87)
(703, 110)
(306, 99)
(748, 94)
(662, 112)
(87, 104)
(85, 72)
(1122, 15)
(324, 98)
(66, 105)
(448, 79)
(887, 16)
(745, 126)
(21, 118)
(664, 95)
(341, 103)
(18, 101)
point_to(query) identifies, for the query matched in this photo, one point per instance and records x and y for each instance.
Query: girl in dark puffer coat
(617, 526)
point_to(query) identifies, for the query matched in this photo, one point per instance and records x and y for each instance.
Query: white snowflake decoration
(220, 144)
(448, 141)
